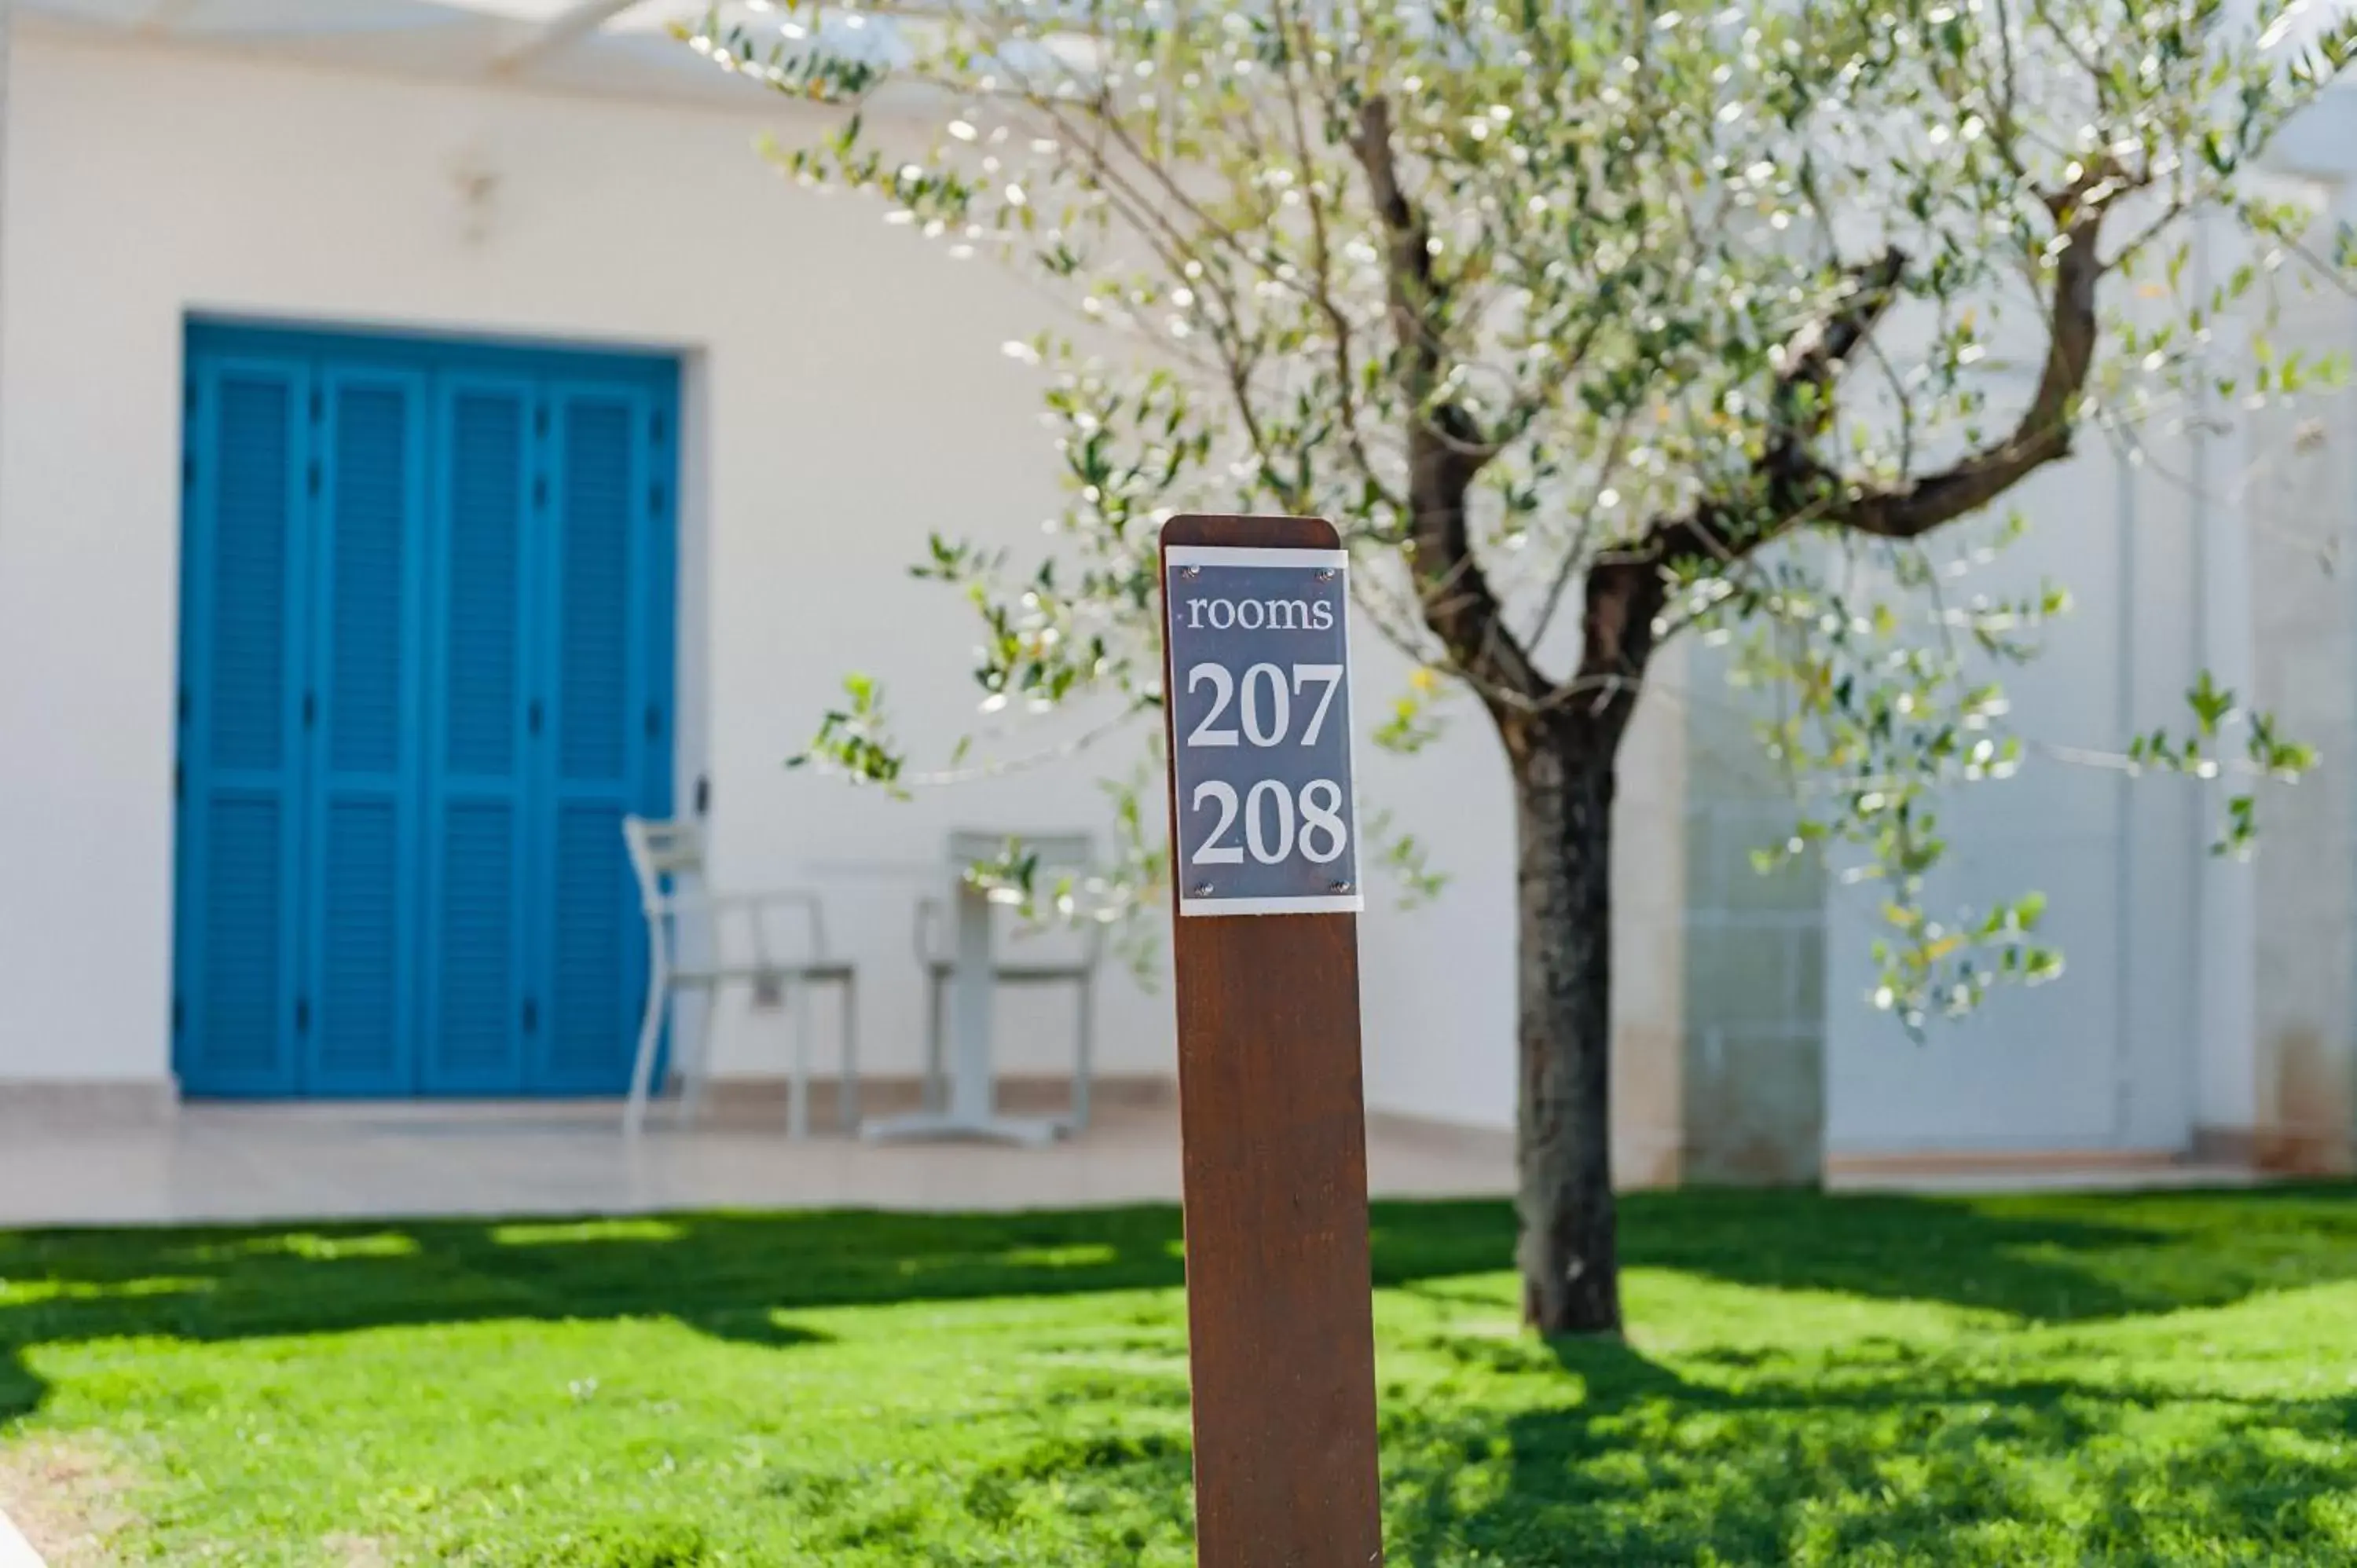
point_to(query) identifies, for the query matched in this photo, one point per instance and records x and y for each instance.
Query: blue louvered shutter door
(235, 1003)
(593, 753)
(477, 802)
(364, 741)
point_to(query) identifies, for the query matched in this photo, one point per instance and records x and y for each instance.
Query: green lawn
(2164, 1379)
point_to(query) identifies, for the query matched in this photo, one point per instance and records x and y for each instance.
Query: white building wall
(2290, 1100)
(2188, 972)
(1438, 983)
(2103, 1056)
(845, 395)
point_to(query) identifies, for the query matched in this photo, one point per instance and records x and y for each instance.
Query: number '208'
(1275, 819)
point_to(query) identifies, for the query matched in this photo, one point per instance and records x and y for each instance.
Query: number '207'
(1275, 819)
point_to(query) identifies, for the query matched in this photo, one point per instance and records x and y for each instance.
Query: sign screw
(1201, 890)
(1326, 574)
(1341, 887)
(1190, 570)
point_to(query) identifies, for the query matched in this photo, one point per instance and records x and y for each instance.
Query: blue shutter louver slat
(372, 521)
(484, 570)
(585, 989)
(474, 1033)
(251, 540)
(238, 829)
(596, 651)
(364, 868)
(594, 960)
(244, 978)
(361, 1007)
(479, 933)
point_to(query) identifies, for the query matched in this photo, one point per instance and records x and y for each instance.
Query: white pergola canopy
(620, 47)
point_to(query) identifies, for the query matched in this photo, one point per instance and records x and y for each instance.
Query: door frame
(655, 374)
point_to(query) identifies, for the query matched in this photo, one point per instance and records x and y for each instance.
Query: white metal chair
(1051, 851)
(669, 855)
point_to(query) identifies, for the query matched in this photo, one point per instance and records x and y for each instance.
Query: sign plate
(1260, 667)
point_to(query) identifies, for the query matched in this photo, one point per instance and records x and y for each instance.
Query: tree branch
(1791, 482)
(1322, 264)
(2043, 434)
(1444, 452)
(1809, 364)
(1626, 592)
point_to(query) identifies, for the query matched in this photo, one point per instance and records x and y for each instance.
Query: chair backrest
(672, 850)
(1054, 852)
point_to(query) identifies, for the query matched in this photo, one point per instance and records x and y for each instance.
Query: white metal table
(972, 1112)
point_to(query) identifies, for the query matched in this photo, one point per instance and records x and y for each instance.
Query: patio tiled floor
(314, 1161)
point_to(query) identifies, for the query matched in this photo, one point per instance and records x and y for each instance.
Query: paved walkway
(320, 1161)
(231, 1163)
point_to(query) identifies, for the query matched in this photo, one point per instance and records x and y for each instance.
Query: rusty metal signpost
(1264, 849)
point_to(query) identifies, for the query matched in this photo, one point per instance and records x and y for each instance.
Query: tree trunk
(1570, 1259)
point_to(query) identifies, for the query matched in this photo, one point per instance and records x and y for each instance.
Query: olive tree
(1589, 326)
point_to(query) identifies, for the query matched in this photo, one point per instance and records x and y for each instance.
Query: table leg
(973, 1108)
(973, 1094)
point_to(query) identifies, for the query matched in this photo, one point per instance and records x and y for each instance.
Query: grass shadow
(2043, 1258)
(1766, 1441)
(727, 1274)
(1625, 1460)
(730, 1274)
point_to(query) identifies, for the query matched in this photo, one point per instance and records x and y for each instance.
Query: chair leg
(847, 1095)
(1084, 1055)
(936, 1086)
(798, 1106)
(634, 1113)
(696, 1062)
